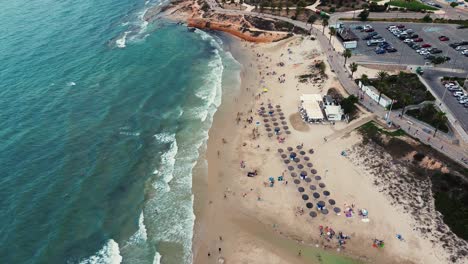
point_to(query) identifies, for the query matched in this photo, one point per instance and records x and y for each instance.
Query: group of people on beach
(329, 234)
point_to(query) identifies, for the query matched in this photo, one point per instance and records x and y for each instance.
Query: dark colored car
(426, 45)
(455, 44)
(463, 43)
(429, 57)
(377, 37)
(372, 34)
(414, 36)
(416, 47)
(391, 49)
(359, 27)
(418, 40)
(443, 38)
(400, 26)
(403, 37)
(369, 30)
(435, 51)
(367, 38)
(379, 51)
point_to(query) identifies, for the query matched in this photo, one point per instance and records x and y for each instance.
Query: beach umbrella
(297, 160)
(324, 211)
(332, 202)
(302, 152)
(326, 193)
(288, 132)
(290, 149)
(337, 210)
(280, 113)
(282, 117)
(267, 125)
(313, 214)
(311, 151)
(271, 112)
(300, 189)
(318, 178)
(265, 120)
(290, 168)
(306, 158)
(268, 129)
(269, 106)
(321, 204)
(303, 173)
(284, 122)
(287, 161)
(313, 171)
(300, 166)
(292, 155)
(280, 150)
(284, 156)
(278, 106)
(316, 195)
(265, 115)
(308, 179)
(305, 197)
(296, 181)
(293, 174)
(299, 147)
(285, 127)
(262, 108)
(309, 165)
(274, 119)
(309, 205)
(270, 134)
(312, 187)
(277, 129)
(322, 185)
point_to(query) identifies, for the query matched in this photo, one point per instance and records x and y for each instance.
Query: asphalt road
(407, 56)
(433, 77)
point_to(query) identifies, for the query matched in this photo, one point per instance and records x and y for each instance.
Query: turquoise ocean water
(102, 117)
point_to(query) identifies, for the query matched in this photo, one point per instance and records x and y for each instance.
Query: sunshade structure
(300, 166)
(280, 150)
(326, 193)
(307, 179)
(303, 173)
(274, 119)
(278, 106)
(302, 152)
(313, 171)
(293, 174)
(318, 178)
(331, 202)
(290, 148)
(309, 205)
(324, 211)
(305, 197)
(269, 106)
(313, 214)
(299, 147)
(280, 113)
(288, 132)
(285, 127)
(336, 210)
(262, 108)
(292, 155)
(268, 129)
(300, 189)
(277, 129)
(267, 125)
(311, 151)
(313, 187)
(270, 134)
(290, 168)
(284, 156)
(296, 160)
(316, 195)
(284, 122)
(287, 161)
(282, 117)
(296, 181)
(265, 120)
(322, 185)
(309, 165)
(311, 105)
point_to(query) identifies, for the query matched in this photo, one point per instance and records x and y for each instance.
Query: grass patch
(411, 5)
(406, 88)
(429, 115)
(415, 20)
(371, 129)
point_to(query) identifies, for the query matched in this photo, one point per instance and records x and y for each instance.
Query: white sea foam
(157, 258)
(141, 234)
(166, 169)
(71, 83)
(121, 42)
(109, 254)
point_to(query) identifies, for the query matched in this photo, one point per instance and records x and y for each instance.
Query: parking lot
(406, 55)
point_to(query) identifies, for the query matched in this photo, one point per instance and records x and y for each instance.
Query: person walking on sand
(219, 250)
(299, 253)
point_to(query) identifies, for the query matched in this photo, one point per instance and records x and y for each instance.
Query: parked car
(429, 57)
(391, 49)
(455, 45)
(379, 51)
(407, 40)
(372, 34)
(416, 47)
(460, 48)
(369, 30)
(435, 51)
(457, 94)
(418, 40)
(414, 36)
(443, 38)
(367, 37)
(426, 45)
(400, 26)
(403, 37)
(377, 37)
(358, 27)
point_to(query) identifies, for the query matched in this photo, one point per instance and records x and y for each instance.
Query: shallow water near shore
(102, 119)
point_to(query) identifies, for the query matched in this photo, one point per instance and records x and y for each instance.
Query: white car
(424, 52)
(460, 48)
(464, 52)
(458, 94)
(407, 40)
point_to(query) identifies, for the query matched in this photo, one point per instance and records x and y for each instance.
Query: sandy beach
(242, 219)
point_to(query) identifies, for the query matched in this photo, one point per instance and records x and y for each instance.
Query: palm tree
(381, 75)
(347, 54)
(311, 19)
(324, 24)
(405, 100)
(439, 119)
(353, 67)
(332, 33)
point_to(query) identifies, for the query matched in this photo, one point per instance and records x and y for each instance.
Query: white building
(373, 93)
